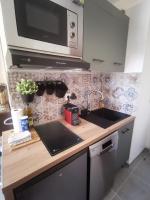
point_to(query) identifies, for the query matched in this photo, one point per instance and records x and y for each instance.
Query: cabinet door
(96, 31)
(102, 174)
(119, 40)
(124, 144)
(118, 31)
(67, 183)
(105, 34)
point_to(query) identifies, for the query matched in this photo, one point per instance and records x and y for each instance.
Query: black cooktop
(56, 137)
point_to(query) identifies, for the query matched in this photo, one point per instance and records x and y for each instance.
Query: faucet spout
(88, 97)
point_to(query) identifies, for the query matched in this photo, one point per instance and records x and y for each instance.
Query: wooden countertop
(21, 165)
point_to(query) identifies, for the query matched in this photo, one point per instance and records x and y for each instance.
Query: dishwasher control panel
(107, 144)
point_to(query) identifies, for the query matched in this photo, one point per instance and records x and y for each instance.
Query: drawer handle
(125, 131)
(117, 63)
(60, 174)
(98, 60)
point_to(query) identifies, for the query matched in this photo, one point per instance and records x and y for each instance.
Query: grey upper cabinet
(105, 34)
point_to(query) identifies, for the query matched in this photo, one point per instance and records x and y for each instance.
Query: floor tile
(116, 198)
(144, 154)
(134, 189)
(143, 170)
(124, 172)
(147, 153)
(110, 195)
(121, 177)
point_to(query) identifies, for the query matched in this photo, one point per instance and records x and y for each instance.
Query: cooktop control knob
(72, 35)
(72, 24)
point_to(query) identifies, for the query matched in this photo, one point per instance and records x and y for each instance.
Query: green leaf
(26, 87)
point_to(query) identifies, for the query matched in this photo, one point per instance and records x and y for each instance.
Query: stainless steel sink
(103, 117)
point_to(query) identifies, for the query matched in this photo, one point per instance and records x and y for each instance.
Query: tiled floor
(133, 182)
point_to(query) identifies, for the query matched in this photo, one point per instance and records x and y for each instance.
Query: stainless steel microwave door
(41, 20)
(44, 26)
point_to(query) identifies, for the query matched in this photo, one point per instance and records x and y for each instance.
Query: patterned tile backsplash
(120, 91)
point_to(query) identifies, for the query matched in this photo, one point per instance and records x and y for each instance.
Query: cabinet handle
(125, 131)
(117, 63)
(98, 60)
(78, 2)
(60, 174)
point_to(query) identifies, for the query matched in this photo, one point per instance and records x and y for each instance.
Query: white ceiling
(124, 4)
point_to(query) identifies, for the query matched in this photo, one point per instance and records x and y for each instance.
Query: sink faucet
(88, 96)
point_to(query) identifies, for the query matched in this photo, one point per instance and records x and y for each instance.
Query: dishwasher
(102, 166)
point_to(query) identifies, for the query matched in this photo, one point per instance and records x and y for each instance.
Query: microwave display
(42, 20)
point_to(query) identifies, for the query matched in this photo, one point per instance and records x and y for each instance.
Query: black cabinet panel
(124, 144)
(67, 181)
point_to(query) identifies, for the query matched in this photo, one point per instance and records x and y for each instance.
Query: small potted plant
(27, 89)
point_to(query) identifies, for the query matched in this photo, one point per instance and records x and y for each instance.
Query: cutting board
(34, 136)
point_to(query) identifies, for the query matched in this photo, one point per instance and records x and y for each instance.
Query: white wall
(2, 68)
(141, 134)
(142, 121)
(124, 4)
(3, 50)
(146, 90)
(137, 36)
(138, 60)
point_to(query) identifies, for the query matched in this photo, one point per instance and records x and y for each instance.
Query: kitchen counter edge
(89, 132)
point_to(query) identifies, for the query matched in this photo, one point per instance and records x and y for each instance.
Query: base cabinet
(124, 144)
(69, 182)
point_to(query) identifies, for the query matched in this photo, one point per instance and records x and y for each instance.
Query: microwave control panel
(72, 25)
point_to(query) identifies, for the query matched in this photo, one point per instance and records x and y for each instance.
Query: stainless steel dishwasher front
(102, 166)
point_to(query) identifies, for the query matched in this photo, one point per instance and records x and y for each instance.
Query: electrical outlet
(66, 96)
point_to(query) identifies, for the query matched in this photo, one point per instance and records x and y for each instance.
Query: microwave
(45, 26)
